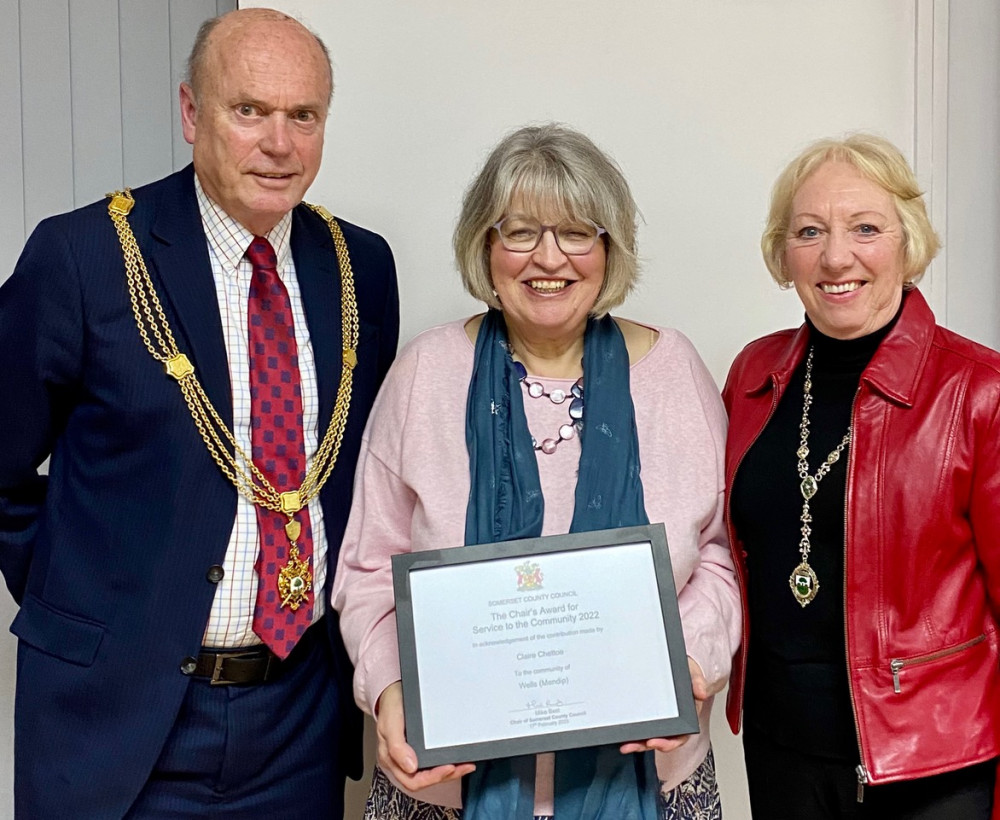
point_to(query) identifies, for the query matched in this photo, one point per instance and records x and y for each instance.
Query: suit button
(215, 573)
(188, 665)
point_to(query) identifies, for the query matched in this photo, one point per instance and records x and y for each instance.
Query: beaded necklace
(536, 390)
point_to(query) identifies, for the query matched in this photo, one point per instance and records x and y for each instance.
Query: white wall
(702, 104)
(972, 198)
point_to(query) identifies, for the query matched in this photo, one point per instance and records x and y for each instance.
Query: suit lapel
(181, 269)
(318, 273)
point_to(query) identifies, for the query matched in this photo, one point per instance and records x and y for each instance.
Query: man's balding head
(197, 59)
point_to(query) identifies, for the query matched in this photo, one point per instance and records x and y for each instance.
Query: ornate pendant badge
(294, 580)
(804, 584)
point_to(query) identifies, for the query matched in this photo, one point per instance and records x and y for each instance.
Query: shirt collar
(229, 239)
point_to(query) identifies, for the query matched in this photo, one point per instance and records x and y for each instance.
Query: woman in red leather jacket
(863, 466)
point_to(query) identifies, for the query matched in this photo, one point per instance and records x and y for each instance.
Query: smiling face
(546, 295)
(844, 251)
(257, 121)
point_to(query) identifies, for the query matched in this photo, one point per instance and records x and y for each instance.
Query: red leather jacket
(922, 552)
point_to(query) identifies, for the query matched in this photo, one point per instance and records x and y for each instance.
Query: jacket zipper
(861, 770)
(898, 664)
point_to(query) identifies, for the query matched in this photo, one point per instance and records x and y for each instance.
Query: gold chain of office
(249, 481)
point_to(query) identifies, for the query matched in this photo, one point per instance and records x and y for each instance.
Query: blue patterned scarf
(505, 503)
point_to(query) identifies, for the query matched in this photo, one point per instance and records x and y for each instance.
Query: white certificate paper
(521, 652)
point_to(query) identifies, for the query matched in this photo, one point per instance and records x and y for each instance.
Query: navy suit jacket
(107, 555)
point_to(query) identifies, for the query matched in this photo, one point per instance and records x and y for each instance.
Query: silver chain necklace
(803, 580)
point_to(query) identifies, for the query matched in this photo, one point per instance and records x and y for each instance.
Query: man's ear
(189, 112)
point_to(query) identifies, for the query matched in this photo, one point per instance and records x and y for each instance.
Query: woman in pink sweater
(546, 239)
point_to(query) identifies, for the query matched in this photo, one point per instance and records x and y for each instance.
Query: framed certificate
(541, 644)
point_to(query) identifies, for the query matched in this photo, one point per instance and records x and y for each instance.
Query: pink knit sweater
(412, 487)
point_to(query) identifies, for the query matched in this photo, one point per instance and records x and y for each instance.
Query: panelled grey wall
(95, 84)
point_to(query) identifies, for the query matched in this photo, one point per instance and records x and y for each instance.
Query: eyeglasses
(522, 234)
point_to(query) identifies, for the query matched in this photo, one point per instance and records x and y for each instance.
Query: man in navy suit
(146, 687)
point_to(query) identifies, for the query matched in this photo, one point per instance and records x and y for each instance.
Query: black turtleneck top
(796, 688)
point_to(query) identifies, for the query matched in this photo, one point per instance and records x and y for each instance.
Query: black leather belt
(254, 664)
(239, 666)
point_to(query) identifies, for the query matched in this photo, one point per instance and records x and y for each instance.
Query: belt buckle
(220, 659)
(217, 679)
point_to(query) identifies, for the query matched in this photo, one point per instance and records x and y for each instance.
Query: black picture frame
(532, 740)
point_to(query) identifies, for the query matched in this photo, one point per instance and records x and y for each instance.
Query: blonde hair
(879, 161)
(549, 164)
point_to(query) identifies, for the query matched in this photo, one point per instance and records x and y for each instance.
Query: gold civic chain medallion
(294, 580)
(295, 577)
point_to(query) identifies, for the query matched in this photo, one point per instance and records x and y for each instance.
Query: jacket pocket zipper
(898, 664)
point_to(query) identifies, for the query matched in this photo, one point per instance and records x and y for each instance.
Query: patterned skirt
(697, 798)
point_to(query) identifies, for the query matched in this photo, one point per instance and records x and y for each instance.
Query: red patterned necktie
(278, 447)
